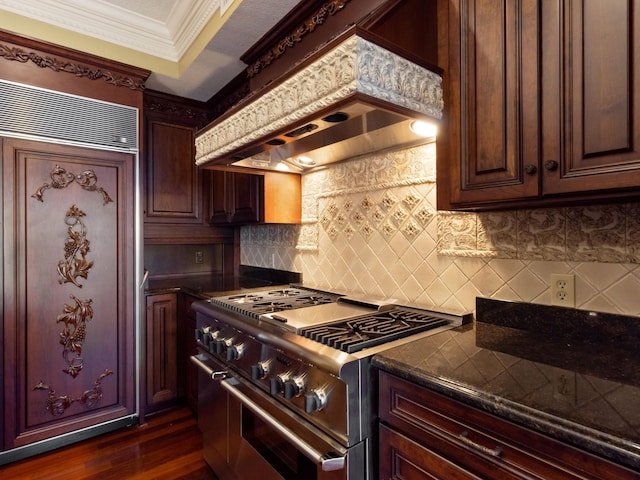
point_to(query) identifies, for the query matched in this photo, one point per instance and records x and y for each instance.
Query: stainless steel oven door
(265, 440)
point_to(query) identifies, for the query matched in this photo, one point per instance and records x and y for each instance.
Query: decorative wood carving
(18, 55)
(57, 404)
(223, 101)
(76, 247)
(75, 319)
(176, 110)
(60, 178)
(309, 25)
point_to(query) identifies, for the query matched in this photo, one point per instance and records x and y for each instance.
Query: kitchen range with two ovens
(286, 390)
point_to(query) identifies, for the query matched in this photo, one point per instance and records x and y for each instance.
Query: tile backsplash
(370, 225)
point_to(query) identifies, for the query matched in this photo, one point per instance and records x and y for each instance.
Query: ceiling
(192, 47)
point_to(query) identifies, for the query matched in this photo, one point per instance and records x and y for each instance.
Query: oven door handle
(327, 464)
(214, 374)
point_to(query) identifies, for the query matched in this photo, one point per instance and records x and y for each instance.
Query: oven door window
(275, 449)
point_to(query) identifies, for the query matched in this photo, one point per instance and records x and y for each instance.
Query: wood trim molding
(61, 66)
(63, 60)
(171, 106)
(307, 26)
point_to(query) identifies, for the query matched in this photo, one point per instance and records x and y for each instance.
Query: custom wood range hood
(350, 98)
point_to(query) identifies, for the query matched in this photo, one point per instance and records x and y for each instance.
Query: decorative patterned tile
(497, 233)
(372, 225)
(457, 232)
(541, 234)
(633, 233)
(596, 233)
(425, 214)
(389, 200)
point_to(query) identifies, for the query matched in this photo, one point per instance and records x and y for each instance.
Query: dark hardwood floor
(167, 447)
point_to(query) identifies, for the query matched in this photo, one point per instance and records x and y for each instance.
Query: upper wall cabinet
(175, 200)
(244, 198)
(539, 102)
(173, 184)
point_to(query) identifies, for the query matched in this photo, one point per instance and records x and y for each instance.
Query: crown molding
(168, 40)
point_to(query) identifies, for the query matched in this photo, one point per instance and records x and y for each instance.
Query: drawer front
(482, 441)
(402, 458)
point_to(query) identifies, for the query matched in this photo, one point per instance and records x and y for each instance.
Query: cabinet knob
(530, 169)
(551, 165)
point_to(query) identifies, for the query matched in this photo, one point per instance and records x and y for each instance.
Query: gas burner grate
(370, 330)
(271, 301)
(310, 300)
(286, 292)
(245, 298)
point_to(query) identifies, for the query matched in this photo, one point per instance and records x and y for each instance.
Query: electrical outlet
(563, 290)
(199, 257)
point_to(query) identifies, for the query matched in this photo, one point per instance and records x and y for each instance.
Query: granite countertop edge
(615, 449)
(217, 284)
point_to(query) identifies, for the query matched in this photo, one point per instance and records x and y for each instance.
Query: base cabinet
(187, 347)
(425, 435)
(162, 351)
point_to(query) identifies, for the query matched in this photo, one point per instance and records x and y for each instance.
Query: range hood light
(424, 129)
(305, 161)
(282, 167)
(336, 117)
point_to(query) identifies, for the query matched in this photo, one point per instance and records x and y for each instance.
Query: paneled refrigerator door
(69, 292)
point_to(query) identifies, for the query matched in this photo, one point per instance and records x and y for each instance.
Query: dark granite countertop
(571, 374)
(217, 284)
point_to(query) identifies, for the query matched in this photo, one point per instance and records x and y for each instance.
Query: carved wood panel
(70, 288)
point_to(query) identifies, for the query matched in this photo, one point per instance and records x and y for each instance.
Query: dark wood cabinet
(541, 102)
(590, 96)
(242, 198)
(173, 183)
(187, 346)
(68, 342)
(161, 351)
(236, 198)
(177, 193)
(425, 435)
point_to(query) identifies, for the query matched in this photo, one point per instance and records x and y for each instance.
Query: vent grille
(34, 112)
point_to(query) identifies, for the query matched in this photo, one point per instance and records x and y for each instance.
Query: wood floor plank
(167, 447)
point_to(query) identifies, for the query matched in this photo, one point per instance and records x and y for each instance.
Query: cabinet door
(247, 198)
(69, 307)
(237, 198)
(221, 201)
(591, 95)
(162, 350)
(173, 183)
(492, 133)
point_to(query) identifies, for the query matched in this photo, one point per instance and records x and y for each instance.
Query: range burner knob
(259, 370)
(203, 334)
(199, 334)
(208, 336)
(218, 346)
(293, 387)
(234, 352)
(315, 400)
(276, 384)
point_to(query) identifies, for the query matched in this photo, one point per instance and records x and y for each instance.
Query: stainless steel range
(286, 389)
